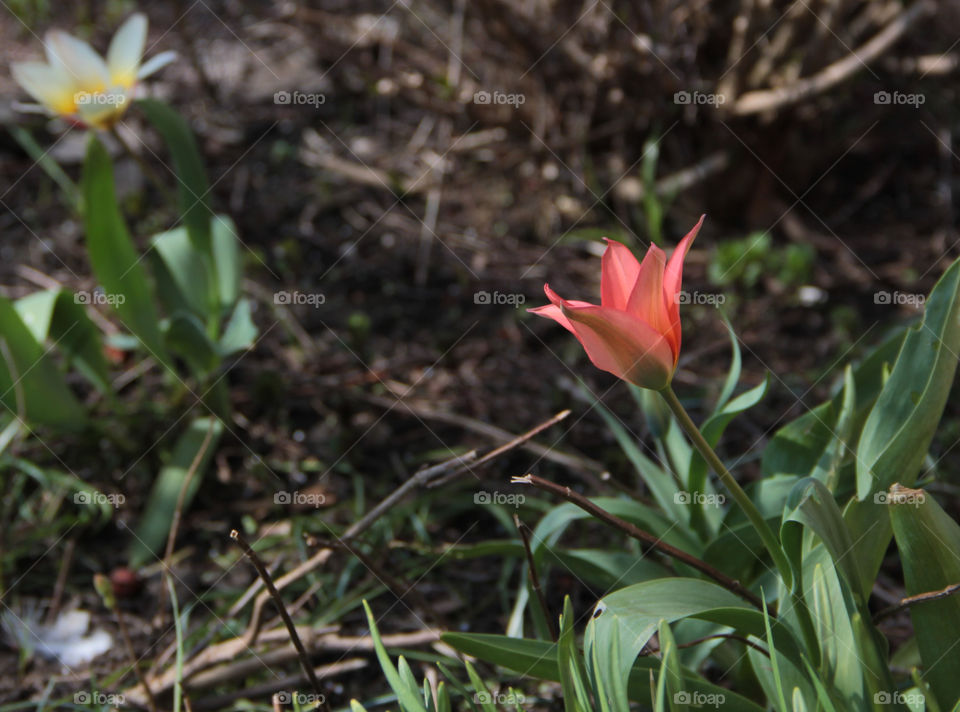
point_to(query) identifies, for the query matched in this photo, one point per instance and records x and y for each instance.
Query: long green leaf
(409, 699)
(154, 525)
(538, 659)
(31, 386)
(901, 425)
(929, 544)
(112, 254)
(57, 317)
(192, 185)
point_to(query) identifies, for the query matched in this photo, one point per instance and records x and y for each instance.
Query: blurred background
(405, 177)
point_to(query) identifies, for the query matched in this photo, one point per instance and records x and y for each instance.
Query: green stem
(753, 514)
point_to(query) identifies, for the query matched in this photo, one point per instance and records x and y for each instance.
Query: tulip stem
(753, 514)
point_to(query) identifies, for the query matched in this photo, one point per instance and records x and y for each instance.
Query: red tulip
(635, 332)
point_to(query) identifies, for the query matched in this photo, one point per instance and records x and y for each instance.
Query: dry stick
(917, 598)
(650, 650)
(294, 638)
(766, 100)
(534, 577)
(516, 442)
(640, 535)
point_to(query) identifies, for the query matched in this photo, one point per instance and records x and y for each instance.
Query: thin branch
(294, 638)
(640, 535)
(917, 598)
(652, 649)
(534, 577)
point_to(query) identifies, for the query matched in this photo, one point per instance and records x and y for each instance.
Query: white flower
(76, 82)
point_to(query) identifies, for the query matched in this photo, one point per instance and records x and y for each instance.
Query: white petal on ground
(65, 640)
(126, 50)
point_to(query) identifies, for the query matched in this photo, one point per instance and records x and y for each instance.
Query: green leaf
(901, 425)
(538, 659)
(240, 333)
(662, 486)
(811, 505)
(226, 259)
(409, 698)
(155, 522)
(831, 609)
(842, 440)
(192, 185)
(677, 696)
(571, 677)
(31, 386)
(929, 542)
(183, 273)
(481, 694)
(186, 338)
(798, 446)
(635, 612)
(112, 255)
(712, 429)
(56, 316)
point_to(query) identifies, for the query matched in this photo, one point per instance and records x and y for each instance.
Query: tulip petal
(126, 50)
(672, 279)
(623, 345)
(555, 310)
(154, 63)
(614, 340)
(45, 84)
(618, 273)
(646, 299)
(77, 59)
